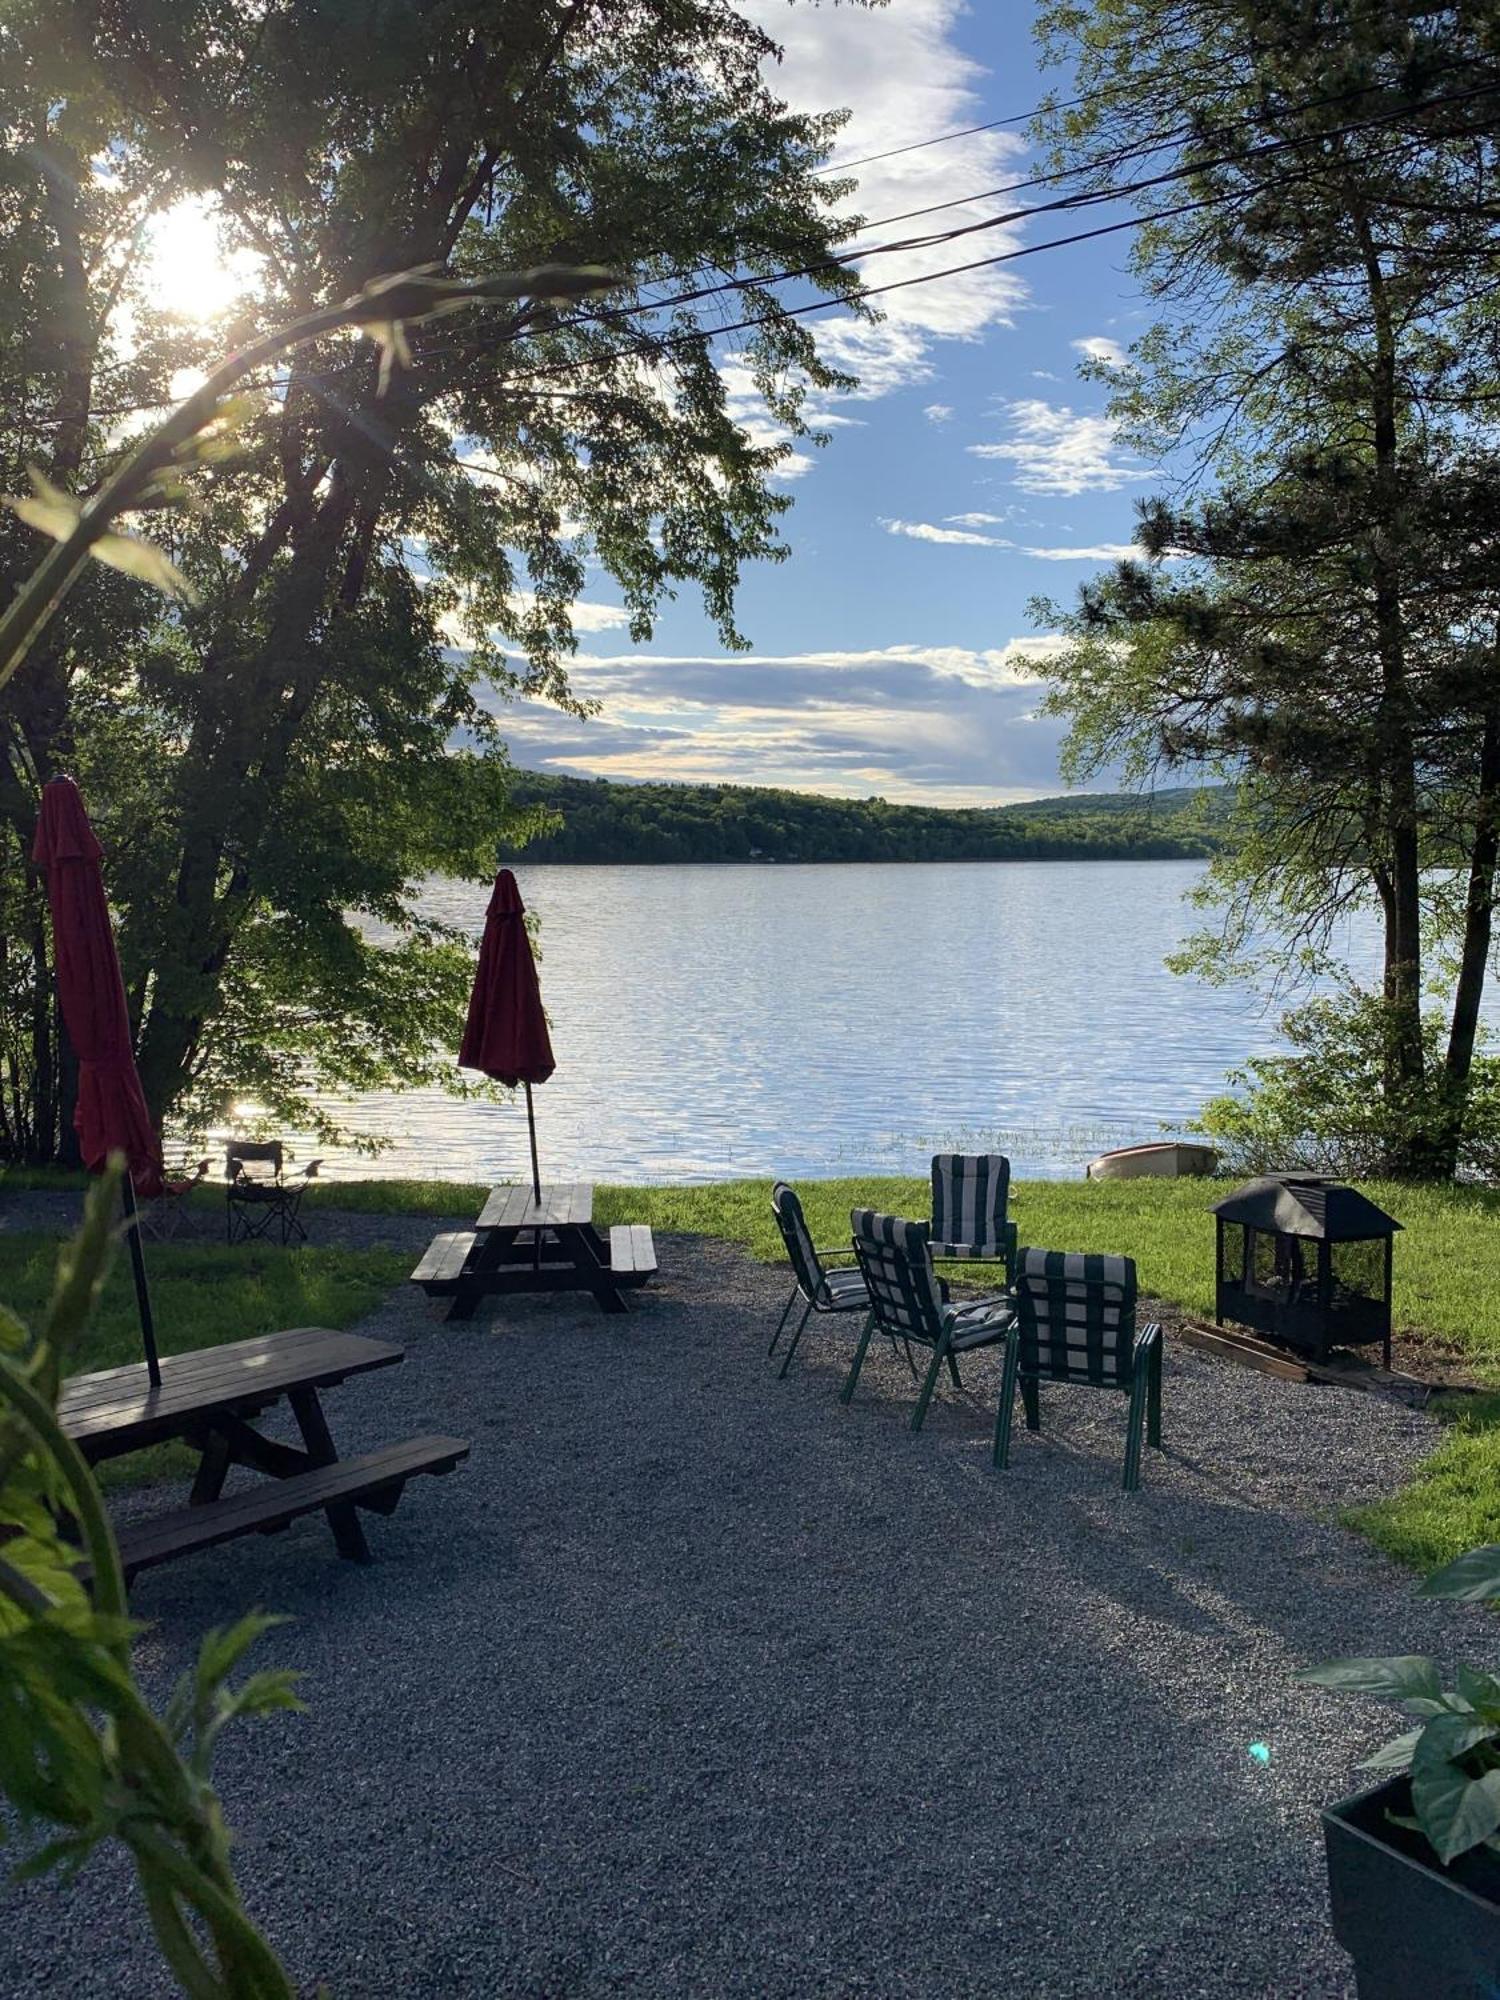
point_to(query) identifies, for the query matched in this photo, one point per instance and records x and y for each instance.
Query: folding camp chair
(822, 1290)
(162, 1215)
(906, 1304)
(1075, 1322)
(260, 1197)
(970, 1196)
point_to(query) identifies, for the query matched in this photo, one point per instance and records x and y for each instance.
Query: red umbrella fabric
(506, 1032)
(111, 1114)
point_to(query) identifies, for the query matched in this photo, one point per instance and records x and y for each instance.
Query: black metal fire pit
(1307, 1261)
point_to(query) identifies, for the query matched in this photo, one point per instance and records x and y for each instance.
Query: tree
(280, 763)
(1321, 614)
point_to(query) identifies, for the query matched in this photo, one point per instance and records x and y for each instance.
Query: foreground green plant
(84, 1760)
(1453, 1754)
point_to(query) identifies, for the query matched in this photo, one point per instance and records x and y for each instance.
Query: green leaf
(1473, 1577)
(1457, 1812)
(1405, 1676)
(1393, 1756)
(49, 517)
(145, 560)
(1481, 1692)
(225, 1646)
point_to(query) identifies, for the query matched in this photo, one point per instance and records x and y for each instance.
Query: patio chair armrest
(844, 1250)
(1149, 1336)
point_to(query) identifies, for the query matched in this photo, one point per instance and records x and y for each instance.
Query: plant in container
(1414, 1862)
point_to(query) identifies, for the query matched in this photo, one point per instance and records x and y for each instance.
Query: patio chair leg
(911, 1359)
(786, 1315)
(939, 1356)
(958, 1380)
(1007, 1409)
(1031, 1396)
(1153, 1397)
(859, 1359)
(786, 1361)
(1134, 1424)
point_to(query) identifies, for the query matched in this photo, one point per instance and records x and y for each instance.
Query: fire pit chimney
(1306, 1260)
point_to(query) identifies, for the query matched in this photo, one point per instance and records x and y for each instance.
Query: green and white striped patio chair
(822, 1290)
(970, 1196)
(906, 1304)
(1075, 1322)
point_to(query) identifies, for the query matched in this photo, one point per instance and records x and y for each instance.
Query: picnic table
(525, 1241)
(208, 1398)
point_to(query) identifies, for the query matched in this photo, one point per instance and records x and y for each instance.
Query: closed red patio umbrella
(506, 1032)
(111, 1115)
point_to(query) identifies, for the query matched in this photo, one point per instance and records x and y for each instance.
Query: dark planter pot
(1415, 1930)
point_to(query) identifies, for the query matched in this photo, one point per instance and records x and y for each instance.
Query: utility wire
(1086, 198)
(1140, 148)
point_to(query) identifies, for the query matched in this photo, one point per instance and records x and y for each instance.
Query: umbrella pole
(536, 1172)
(142, 1289)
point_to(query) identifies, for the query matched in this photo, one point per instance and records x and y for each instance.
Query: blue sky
(974, 469)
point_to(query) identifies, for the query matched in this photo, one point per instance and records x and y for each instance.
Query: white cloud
(1057, 450)
(944, 724)
(938, 413)
(587, 617)
(924, 531)
(1101, 552)
(1099, 347)
(902, 77)
(977, 520)
(978, 667)
(584, 615)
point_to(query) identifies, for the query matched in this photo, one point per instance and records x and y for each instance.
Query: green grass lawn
(202, 1295)
(1447, 1285)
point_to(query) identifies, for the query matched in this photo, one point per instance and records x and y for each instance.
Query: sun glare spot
(188, 271)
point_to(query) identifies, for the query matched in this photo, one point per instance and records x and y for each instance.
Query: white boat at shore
(1169, 1158)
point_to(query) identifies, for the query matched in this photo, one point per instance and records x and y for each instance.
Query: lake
(822, 1020)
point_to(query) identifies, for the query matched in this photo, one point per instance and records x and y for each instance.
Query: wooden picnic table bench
(208, 1398)
(525, 1244)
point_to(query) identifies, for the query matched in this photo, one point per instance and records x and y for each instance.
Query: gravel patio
(692, 1682)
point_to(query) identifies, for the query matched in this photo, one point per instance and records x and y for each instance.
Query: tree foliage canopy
(1321, 611)
(390, 549)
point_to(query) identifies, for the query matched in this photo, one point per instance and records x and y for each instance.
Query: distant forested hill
(606, 822)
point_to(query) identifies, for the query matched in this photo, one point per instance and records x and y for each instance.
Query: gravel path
(692, 1682)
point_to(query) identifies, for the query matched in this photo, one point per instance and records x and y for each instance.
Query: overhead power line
(1141, 148)
(1087, 198)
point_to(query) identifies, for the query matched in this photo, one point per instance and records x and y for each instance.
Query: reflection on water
(713, 1021)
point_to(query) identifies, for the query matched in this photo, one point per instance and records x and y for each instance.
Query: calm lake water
(716, 1021)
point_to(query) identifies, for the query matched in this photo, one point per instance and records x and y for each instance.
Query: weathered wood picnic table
(523, 1243)
(208, 1398)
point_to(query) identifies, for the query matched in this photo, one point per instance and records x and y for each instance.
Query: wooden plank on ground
(1249, 1352)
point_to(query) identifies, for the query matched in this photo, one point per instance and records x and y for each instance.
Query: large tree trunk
(1414, 1155)
(1479, 924)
